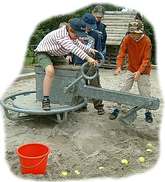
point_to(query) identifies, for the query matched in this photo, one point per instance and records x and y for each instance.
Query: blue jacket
(98, 39)
(90, 42)
(101, 27)
(97, 36)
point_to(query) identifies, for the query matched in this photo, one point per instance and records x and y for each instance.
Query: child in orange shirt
(137, 46)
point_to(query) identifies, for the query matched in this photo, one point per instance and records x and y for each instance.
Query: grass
(29, 61)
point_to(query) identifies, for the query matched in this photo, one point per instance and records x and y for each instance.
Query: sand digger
(70, 93)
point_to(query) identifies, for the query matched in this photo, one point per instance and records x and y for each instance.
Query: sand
(87, 142)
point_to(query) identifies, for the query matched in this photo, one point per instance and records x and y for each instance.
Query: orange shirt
(139, 54)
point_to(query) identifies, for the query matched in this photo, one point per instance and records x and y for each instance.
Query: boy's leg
(98, 104)
(46, 63)
(144, 87)
(47, 83)
(127, 85)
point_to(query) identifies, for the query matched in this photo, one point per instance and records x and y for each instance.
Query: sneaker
(100, 111)
(148, 117)
(114, 114)
(46, 104)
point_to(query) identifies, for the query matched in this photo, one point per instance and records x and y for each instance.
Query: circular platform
(29, 101)
(26, 103)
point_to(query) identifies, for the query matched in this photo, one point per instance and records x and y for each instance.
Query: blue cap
(90, 21)
(78, 26)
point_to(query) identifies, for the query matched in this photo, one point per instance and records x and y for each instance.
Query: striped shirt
(58, 43)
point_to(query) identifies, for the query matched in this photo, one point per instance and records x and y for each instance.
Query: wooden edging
(26, 76)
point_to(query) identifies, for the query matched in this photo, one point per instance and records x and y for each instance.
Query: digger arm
(151, 103)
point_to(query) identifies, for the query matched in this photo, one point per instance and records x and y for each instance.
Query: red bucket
(33, 158)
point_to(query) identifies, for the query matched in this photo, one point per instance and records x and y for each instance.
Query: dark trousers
(98, 104)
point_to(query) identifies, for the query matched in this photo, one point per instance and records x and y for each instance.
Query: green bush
(150, 32)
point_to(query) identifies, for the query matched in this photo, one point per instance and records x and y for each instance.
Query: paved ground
(89, 143)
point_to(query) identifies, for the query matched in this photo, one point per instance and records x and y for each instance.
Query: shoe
(148, 117)
(114, 114)
(100, 111)
(46, 104)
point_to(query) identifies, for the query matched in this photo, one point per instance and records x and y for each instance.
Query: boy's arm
(147, 57)
(85, 47)
(73, 48)
(82, 46)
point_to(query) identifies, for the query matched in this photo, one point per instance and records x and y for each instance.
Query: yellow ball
(77, 172)
(148, 150)
(64, 173)
(149, 145)
(141, 159)
(124, 161)
(101, 167)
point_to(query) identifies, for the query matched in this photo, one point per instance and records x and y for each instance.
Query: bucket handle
(35, 165)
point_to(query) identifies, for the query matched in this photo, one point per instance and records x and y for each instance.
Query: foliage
(150, 32)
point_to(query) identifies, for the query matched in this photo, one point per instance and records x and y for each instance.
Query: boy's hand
(117, 71)
(68, 59)
(136, 76)
(92, 61)
(93, 51)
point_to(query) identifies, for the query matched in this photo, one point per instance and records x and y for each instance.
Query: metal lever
(131, 115)
(84, 75)
(70, 86)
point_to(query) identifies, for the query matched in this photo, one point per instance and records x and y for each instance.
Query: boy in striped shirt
(61, 42)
